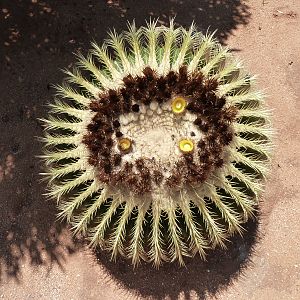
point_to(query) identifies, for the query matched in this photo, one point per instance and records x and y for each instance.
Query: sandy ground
(38, 258)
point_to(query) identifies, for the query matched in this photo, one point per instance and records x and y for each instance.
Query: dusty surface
(38, 258)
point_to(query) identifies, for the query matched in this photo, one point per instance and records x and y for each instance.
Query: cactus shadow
(29, 234)
(197, 279)
(221, 16)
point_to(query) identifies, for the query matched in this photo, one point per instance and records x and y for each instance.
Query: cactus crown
(161, 154)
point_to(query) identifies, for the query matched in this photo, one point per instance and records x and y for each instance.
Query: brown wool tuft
(149, 73)
(117, 159)
(113, 96)
(125, 93)
(219, 162)
(95, 105)
(174, 181)
(172, 78)
(157, 177)
(211, 84)
(129, 81)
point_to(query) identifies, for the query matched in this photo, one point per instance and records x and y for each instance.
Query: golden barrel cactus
(157, 145)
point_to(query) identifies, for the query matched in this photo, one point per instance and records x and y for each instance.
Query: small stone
(130, 117)
(166, 106)
(149, 112)
(143, 109)
(153, 105)
(123, 120)
(135, 117)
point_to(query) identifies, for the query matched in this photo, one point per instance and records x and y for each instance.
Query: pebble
(135, 117)
(149, 112)
(130, 117)
(188, 117)
(142, 109)
(165, 106)
(153, 105)
(123, 120)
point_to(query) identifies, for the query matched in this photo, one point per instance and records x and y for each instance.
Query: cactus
(162, 151)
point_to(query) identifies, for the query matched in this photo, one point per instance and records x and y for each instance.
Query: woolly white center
(155, 132)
